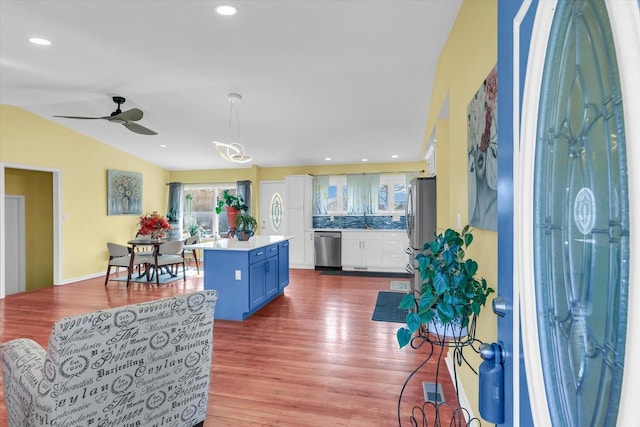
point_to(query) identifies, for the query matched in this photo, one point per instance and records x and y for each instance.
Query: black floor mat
(387, 307)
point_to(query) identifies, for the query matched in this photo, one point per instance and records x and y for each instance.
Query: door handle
(499, 306)
(494, 351)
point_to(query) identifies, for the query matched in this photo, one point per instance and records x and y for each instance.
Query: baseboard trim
(80, 278)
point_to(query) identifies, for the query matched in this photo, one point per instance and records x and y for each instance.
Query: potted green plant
(245, 226)
(232, 201)
(234, 205)
(194, 229)
(450, 292)
(172, 218)
(172, 215)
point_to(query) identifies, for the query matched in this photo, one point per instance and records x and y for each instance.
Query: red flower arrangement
(153, 225)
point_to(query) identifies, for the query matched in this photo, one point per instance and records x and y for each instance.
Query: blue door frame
(514, 37)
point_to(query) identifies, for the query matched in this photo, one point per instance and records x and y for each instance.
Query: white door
(574, 210)
(15, 276)
(272, 212)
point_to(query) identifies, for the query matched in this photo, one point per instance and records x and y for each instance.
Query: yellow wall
(31, 141)
(36, 187)
(442, 173)
(469, 55)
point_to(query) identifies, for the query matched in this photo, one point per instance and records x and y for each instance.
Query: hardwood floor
(312, 357)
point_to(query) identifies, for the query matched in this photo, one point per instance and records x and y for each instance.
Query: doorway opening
(55, 219)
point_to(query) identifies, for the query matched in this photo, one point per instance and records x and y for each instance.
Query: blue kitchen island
(247, 275)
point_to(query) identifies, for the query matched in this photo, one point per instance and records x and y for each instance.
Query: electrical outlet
(238, 275)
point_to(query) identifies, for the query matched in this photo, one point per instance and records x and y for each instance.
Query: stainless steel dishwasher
(328, 249)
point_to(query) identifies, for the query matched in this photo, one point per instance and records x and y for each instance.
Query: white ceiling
(346, 79)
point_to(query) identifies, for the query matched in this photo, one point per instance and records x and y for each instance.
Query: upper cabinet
(299, 188)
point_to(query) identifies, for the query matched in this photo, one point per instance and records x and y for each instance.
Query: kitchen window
(331, 194)
(200, 207)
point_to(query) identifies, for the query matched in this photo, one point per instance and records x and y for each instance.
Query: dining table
(146, 242)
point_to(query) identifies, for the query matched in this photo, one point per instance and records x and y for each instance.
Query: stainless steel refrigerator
(421, 219)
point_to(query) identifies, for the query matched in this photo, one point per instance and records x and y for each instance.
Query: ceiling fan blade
(79, 117)
(134, 127)
(132, 115)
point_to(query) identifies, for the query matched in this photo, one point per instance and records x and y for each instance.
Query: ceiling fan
(125, 118)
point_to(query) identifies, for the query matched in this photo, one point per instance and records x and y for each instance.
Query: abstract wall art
(482, 153)
(124, 193)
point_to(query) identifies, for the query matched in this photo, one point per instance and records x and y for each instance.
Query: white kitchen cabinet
(361, 250)
(309, 250)
(351, 251)
(374, 250)
(298, 205)
(394, 255)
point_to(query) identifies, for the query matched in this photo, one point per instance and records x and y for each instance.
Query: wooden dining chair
(167, 255)
(189, 254)
(123, 256)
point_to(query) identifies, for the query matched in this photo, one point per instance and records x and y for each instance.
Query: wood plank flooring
(312, 357)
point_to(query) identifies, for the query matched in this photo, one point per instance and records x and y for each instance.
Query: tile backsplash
(376, 222)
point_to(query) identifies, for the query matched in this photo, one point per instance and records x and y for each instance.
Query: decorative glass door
(581, 219)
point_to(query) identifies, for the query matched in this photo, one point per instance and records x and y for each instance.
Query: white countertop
(234, 244)
(385, 230)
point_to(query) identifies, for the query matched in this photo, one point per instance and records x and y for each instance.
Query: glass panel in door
(581, 230)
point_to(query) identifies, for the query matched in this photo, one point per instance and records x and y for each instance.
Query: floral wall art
(124, 193)
(482, 152)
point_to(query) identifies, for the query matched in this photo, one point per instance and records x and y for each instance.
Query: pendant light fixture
(231, 150)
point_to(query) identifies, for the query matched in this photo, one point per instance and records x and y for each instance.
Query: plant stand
(435, 412)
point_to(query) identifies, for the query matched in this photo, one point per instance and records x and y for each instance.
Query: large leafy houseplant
(450, 289)
(232, 201)
(234, 205)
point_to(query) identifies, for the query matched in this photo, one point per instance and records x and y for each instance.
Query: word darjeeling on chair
(134, 365)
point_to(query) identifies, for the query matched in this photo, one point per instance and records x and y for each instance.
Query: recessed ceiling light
(39, 41)
(226, 10)
(365, 160)
(394, 156)
(327, 158)
(163, 145)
